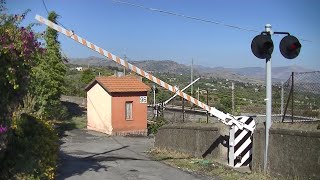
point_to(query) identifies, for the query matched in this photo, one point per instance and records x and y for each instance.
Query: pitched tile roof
(119, 84)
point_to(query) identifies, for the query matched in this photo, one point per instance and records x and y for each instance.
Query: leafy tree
(19, 51)
(226, 104)
(48, 75)
(87, 76)
(73, 85)
(162, 96)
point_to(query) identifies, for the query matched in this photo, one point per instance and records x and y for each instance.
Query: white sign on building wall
(143, 99)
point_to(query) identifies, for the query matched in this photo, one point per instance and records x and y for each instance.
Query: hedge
(32, 150)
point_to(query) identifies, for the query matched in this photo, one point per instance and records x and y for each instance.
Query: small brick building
(117, 105)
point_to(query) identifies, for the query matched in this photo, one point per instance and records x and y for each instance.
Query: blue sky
(144, 35)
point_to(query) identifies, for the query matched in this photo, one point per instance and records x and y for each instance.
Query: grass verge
(76, 122)
(201, 166)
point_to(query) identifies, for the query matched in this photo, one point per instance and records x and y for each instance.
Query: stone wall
(200, 140)
(293, 153)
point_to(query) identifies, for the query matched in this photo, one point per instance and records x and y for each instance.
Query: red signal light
(290, 47)
(293, 47)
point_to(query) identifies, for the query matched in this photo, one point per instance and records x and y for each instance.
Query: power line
(186, 16)
(192, 17)
(44, 4)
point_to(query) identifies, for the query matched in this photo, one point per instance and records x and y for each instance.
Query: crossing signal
(290, 47)
(262, 46)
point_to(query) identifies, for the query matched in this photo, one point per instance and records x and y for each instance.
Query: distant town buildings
(77, 68)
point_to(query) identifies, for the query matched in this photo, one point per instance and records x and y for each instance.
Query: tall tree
(48, 75)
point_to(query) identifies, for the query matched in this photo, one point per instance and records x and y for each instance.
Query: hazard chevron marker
(223, 117)
(242, 143)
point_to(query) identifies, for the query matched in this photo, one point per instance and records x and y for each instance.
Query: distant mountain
(278, 73)
(257, 73)
(92, 61)
(246, 74)
(164, 66)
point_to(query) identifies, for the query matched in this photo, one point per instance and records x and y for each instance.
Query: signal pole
(282, 95)
(262, 48)
(268, 101)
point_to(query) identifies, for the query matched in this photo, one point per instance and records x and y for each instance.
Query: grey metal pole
(207, 103)
(232, 93)
(292, 99)
(268, 103)
(182, 109)
(282, 98)
(191, 80)
(154, 95)
(154, 100)
(124, 68)
(198, 93)
(268, 110)
(231, 146)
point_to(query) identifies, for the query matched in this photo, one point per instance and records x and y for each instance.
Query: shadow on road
(74, 165)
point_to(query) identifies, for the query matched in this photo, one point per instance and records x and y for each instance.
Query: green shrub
(157, 123)
(310, 113)
(32, 151)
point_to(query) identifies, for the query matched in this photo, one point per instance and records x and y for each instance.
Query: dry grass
(201, 166)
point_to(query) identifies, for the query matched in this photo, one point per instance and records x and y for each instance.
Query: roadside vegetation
(202, 167)
(32, 77)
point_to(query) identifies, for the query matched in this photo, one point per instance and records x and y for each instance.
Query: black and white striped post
(240, 143)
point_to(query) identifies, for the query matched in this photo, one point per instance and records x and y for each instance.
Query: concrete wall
(200, 140)
(99, 110)
(293, 153)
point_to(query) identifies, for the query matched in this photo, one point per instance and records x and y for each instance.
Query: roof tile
(121, 84)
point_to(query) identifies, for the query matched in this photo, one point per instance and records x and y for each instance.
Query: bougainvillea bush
(19, 50)
(28, 145)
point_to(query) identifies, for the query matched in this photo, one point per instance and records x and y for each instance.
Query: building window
(129, 110)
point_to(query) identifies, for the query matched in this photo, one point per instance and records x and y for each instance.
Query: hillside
(246, 74)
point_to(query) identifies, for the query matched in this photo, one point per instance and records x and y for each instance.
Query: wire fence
(297, 99)
(302, 97)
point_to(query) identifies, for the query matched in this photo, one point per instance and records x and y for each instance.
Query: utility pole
(198, 93)
(232, 93)
(124, 68)
(155, 112)
(207, 103)
(192, 77)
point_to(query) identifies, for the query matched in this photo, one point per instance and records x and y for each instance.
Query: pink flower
(11, 46)
(3, 129)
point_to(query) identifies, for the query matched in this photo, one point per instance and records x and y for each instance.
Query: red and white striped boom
(225, 118)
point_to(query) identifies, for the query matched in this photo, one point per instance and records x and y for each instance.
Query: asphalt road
(91, 155)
